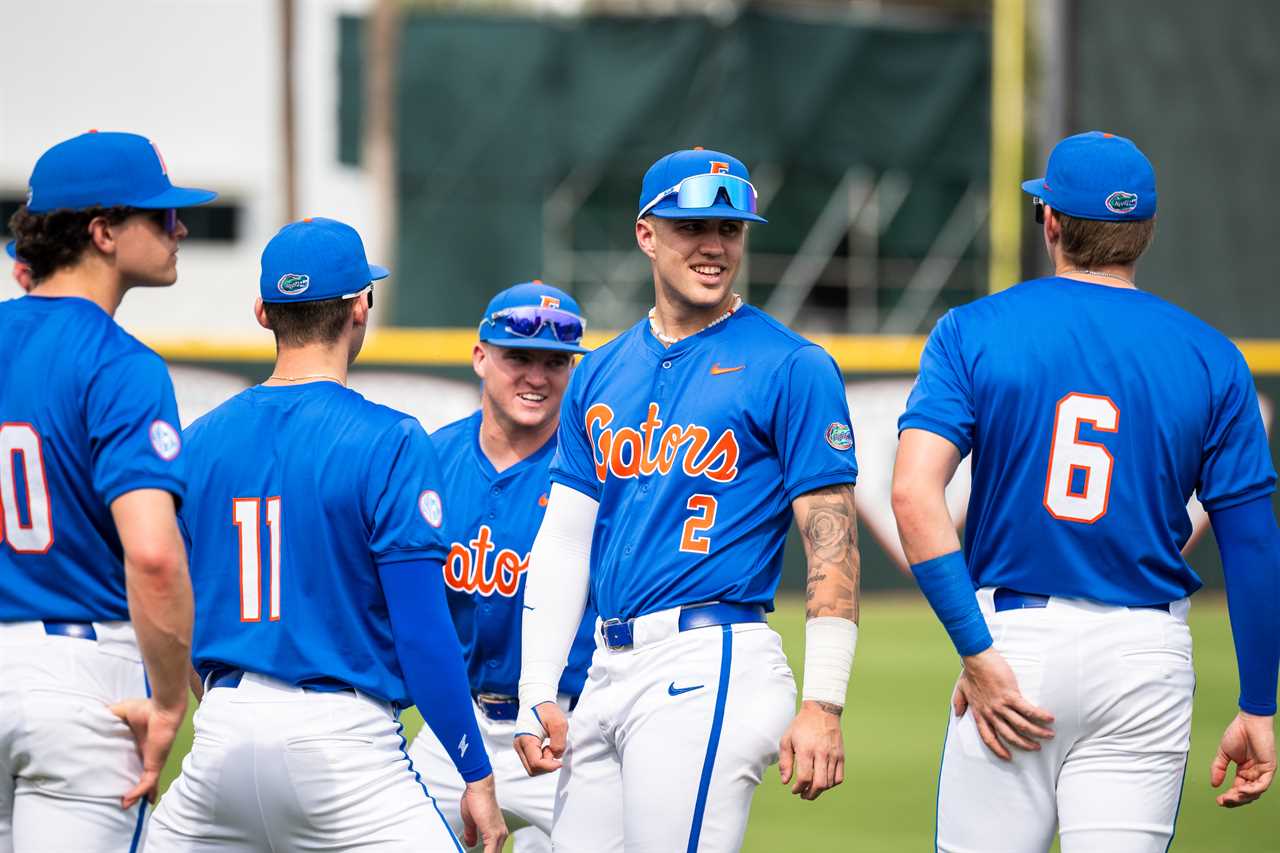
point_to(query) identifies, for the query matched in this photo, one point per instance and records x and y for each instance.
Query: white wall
(202, 79)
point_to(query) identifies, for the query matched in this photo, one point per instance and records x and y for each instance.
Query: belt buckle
(616, 634)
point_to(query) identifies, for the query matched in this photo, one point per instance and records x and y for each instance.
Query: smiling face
(522, 387)
(695, 261)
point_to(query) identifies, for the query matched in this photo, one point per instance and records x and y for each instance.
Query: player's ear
(478, 360)
(646, 236)
(1052, 225)
(260, 313)
(101, 235)
(359, 312)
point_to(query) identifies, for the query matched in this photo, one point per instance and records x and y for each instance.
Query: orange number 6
(694, 540)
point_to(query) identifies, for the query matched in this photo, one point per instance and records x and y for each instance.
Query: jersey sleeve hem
(833, 478)
(1236, 499)
(173, 486)
(591, 490)
(409, 555)
(948, 431)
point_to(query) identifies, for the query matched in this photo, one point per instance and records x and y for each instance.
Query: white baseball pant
(65, 760)
(1119, 683)
(671, 737)
(527, 802)
(274, 767)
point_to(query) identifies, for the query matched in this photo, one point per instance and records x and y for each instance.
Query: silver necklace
(667, 339)
(1127, 281)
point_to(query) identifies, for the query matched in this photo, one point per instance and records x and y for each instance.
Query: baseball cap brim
(716, 211)
(376, 272)
(534, 343)
(1034, 187)
(176, 197)
(11, 249)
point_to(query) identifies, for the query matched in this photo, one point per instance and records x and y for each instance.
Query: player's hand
(1250, 743)
(811, 755)
(482, 817)
(154, 729)
(989, 689)
(542, 754)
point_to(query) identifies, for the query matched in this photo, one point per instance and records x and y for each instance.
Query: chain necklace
(306, 378)
(1127, 281)
(667, 339)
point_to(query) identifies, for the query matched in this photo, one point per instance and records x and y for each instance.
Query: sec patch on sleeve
(430, 507)
(840, 436)
(165, 440)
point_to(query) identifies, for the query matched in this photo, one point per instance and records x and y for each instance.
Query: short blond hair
(1090, 243)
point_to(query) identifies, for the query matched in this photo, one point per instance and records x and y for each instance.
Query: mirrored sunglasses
(698, 192)
(527, 321)
(166, 219)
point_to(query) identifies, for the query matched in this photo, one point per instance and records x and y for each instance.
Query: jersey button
(493, 515)
(496, 490)
(666, 365)
(627, 551)
(493, 664)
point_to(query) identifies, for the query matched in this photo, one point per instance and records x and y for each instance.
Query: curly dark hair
(48, 242)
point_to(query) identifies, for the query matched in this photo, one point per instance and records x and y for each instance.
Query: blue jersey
(87, 414)
(695, 453)
(1092, 414)
(493, 518)
(304, 491)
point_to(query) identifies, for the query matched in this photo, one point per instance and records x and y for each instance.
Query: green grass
(893, 728)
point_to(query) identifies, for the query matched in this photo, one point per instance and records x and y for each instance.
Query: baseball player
(686, 444)
(95, 601)
(1093, 411)
(316, 554)
(495, 473)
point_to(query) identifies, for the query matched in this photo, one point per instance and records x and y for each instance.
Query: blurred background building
(476, 143)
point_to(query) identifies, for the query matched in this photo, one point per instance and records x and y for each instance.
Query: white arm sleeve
(555, 592)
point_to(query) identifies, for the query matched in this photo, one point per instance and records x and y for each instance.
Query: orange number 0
(1071, 458)
(694, 539)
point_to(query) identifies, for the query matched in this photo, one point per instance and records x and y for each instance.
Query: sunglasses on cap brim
(368, 288)
(528, 321)
(699, 192)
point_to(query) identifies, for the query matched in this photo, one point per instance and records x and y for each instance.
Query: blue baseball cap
(11, 249)
(533, 315)
(720, 187)
(106, 170)
(315, 259)
(1098, 175)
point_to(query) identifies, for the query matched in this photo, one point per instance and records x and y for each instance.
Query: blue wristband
(945, 583)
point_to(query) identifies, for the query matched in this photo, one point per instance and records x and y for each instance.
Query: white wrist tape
(829, 642)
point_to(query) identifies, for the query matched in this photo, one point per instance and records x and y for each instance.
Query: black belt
(1011, 599)
(617, 633)
(79, 630)
(232, 678)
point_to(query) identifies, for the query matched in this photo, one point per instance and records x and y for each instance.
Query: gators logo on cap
(1122, 202)
(840, 436)
(291, 284)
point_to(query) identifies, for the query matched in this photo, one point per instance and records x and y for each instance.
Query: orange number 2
(694, 539)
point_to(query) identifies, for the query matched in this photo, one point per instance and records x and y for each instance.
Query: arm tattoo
(829, 527)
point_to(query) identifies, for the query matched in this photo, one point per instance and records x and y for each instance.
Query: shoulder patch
(165, 440)
(840, 436)
(430, 507)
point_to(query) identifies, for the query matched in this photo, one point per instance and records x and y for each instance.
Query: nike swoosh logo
(676, 691)
(527, 607)
(717, 370)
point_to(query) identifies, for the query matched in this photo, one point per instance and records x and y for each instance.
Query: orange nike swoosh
(716, 369)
